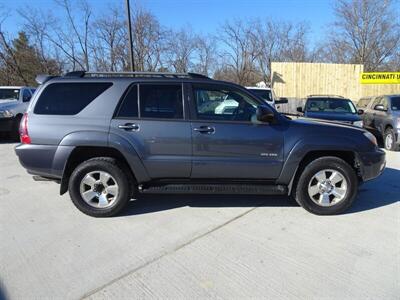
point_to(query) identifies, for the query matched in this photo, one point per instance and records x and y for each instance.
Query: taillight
(23, 130)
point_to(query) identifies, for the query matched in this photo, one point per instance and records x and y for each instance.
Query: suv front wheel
(99, 187)
(327, 186)
(389, 139)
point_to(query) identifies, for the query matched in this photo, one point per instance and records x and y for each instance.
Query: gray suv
(109, 137)
(382, 116)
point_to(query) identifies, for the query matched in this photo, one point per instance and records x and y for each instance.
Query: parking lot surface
(196, 246)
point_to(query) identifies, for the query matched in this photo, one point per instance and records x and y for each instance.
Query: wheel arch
(86, 145)
(350, 157)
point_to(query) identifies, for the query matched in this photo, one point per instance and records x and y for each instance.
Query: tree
(241, 53)
(181, 47)
(279, 41)
(365, 32)
(109, 43)
(21, 62)
(206, 55)
(148, 40)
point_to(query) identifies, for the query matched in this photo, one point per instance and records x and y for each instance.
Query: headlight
(6, 114)
(358, 123)
(371, 137)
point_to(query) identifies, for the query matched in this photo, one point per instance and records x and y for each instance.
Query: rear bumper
(43, 160)
(372, 164)
(7, 124)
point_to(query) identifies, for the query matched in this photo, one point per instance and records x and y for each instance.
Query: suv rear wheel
(99, 187)
(327, 186)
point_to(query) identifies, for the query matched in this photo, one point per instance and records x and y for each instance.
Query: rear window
(68, 98)
(129, 106)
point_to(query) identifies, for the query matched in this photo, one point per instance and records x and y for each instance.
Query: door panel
(228, 141)
(157, 128)
(237, 151)
(165, 147)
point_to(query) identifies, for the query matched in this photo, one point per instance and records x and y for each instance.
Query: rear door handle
(129, 127)
(205, 129)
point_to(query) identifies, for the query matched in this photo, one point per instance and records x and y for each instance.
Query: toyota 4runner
(108, 137)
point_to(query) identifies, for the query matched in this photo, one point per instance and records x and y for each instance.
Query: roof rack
(337, 96)
(135, 74)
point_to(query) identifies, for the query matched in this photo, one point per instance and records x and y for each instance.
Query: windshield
(330, 105)
(9, 94)
(396, 103)
(263, 94)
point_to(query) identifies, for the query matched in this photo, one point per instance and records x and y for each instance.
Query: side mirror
(265, 114)
(281, 101)
(300, 109)
(379, 107)
(360, 111)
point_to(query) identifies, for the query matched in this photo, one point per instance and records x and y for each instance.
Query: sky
(204, 16)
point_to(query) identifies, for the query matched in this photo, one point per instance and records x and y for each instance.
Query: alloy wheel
(99, 189)
(327, 187)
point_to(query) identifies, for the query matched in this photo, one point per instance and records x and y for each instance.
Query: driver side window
(223, 104)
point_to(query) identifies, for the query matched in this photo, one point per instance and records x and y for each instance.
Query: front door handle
(205, 129)
(129, 127)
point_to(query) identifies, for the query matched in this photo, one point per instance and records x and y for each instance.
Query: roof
(42, 78)
(325, 96)
(12, 87)
(258, 88)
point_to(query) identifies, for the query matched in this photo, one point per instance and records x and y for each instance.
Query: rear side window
(68, 98)
(129, 106)
(161, 101)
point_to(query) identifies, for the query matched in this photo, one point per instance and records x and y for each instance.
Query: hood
(341, 117)
(325, 123)
(8, 104)
(396, 113)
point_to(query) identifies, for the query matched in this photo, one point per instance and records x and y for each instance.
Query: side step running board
(215, 189)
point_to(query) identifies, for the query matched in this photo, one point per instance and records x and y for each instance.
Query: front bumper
(7, 124)
(372, 164)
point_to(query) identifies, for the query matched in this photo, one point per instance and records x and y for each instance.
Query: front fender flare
(310, 144)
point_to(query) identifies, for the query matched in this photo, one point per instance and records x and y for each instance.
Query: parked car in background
(14, 101)
(108, 137)
(332, 108)
(265, 93)
(362, 104)
(382, 117)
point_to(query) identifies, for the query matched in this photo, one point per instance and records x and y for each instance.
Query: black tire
(117, 171)
(389, 133)
(326, 163)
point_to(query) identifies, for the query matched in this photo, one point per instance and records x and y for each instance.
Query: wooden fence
(298, 80)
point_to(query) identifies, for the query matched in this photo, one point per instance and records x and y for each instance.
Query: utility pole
(128, 12)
